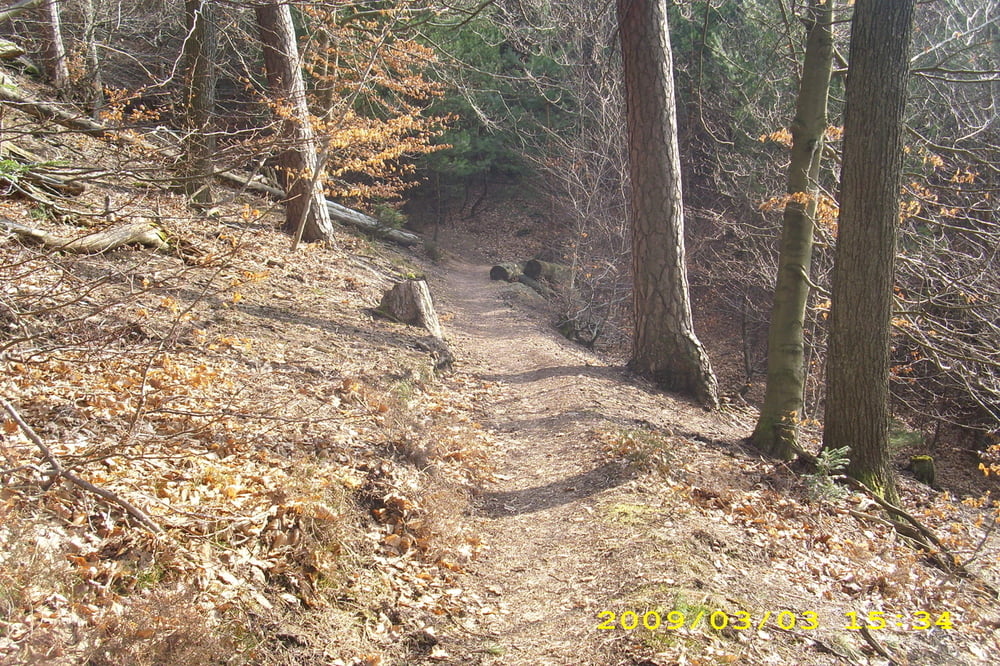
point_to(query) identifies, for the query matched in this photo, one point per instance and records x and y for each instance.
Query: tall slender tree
(857, 402)
(665, 346)
(55, 50)
(776, 431)
(305, 205)
(200, 69)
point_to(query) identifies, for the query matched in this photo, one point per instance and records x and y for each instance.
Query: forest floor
(326, 497)
(614, 498)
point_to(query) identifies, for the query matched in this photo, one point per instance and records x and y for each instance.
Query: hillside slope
(319, 494)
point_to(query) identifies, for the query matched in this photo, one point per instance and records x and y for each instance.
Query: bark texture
(305, 203)
(200, 69)
(776, 431)
(857, 402)
(410, 302)
(665, 347)
(95, 242)
(55, 51)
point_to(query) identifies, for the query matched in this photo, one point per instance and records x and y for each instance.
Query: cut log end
(508, 272)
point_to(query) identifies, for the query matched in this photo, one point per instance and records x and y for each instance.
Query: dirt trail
(552, 557)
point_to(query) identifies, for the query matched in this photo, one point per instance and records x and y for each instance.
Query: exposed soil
(328, 495)
(612, 496)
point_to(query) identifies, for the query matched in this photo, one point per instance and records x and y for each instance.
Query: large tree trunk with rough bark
(857, 400)
(665, 347)
(305, 206)
(776, 431)
(200, 49)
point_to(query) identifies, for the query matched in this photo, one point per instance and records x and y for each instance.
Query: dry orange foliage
(369, 96)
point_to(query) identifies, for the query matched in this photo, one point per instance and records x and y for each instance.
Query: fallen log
(538, 287)
(41, 110)
(135, 233)
(44, 111)
(35, 171)
(554, 273)
(508, 272)
(337, 212)
(9, 50)
(371, 225)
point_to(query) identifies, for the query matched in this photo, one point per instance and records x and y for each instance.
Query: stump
(410, 302)
(923, 469)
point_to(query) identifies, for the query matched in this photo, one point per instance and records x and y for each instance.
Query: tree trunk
(665, 347)
(857, 402)
(305, 204)
(55, 51)
(776, 431)
(200, 50)
(95, 81)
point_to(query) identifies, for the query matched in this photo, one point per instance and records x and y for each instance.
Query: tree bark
(305, 203)
(95, 80)
(200, 50)
(776, 431)
(55, 51)
(665, 347)
(508, 272)
(94, 242)
(410, 302)
(857, 401)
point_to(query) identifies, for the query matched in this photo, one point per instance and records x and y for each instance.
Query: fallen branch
(878, 647)
(83, 124)
(35, 173)
(921, 535)
(58, 471)
(43, 111)
(136, 233)
(18, 8)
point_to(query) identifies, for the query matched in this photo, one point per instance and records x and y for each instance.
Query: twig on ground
(59, 471)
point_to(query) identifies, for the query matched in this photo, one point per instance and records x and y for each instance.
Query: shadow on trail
(557, 493)
(529, 376)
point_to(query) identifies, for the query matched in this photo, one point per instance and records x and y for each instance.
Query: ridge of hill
(326, 497)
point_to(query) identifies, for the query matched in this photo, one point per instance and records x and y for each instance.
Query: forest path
(555, 552)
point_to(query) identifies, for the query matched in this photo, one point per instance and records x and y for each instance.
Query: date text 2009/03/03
(654, 620)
